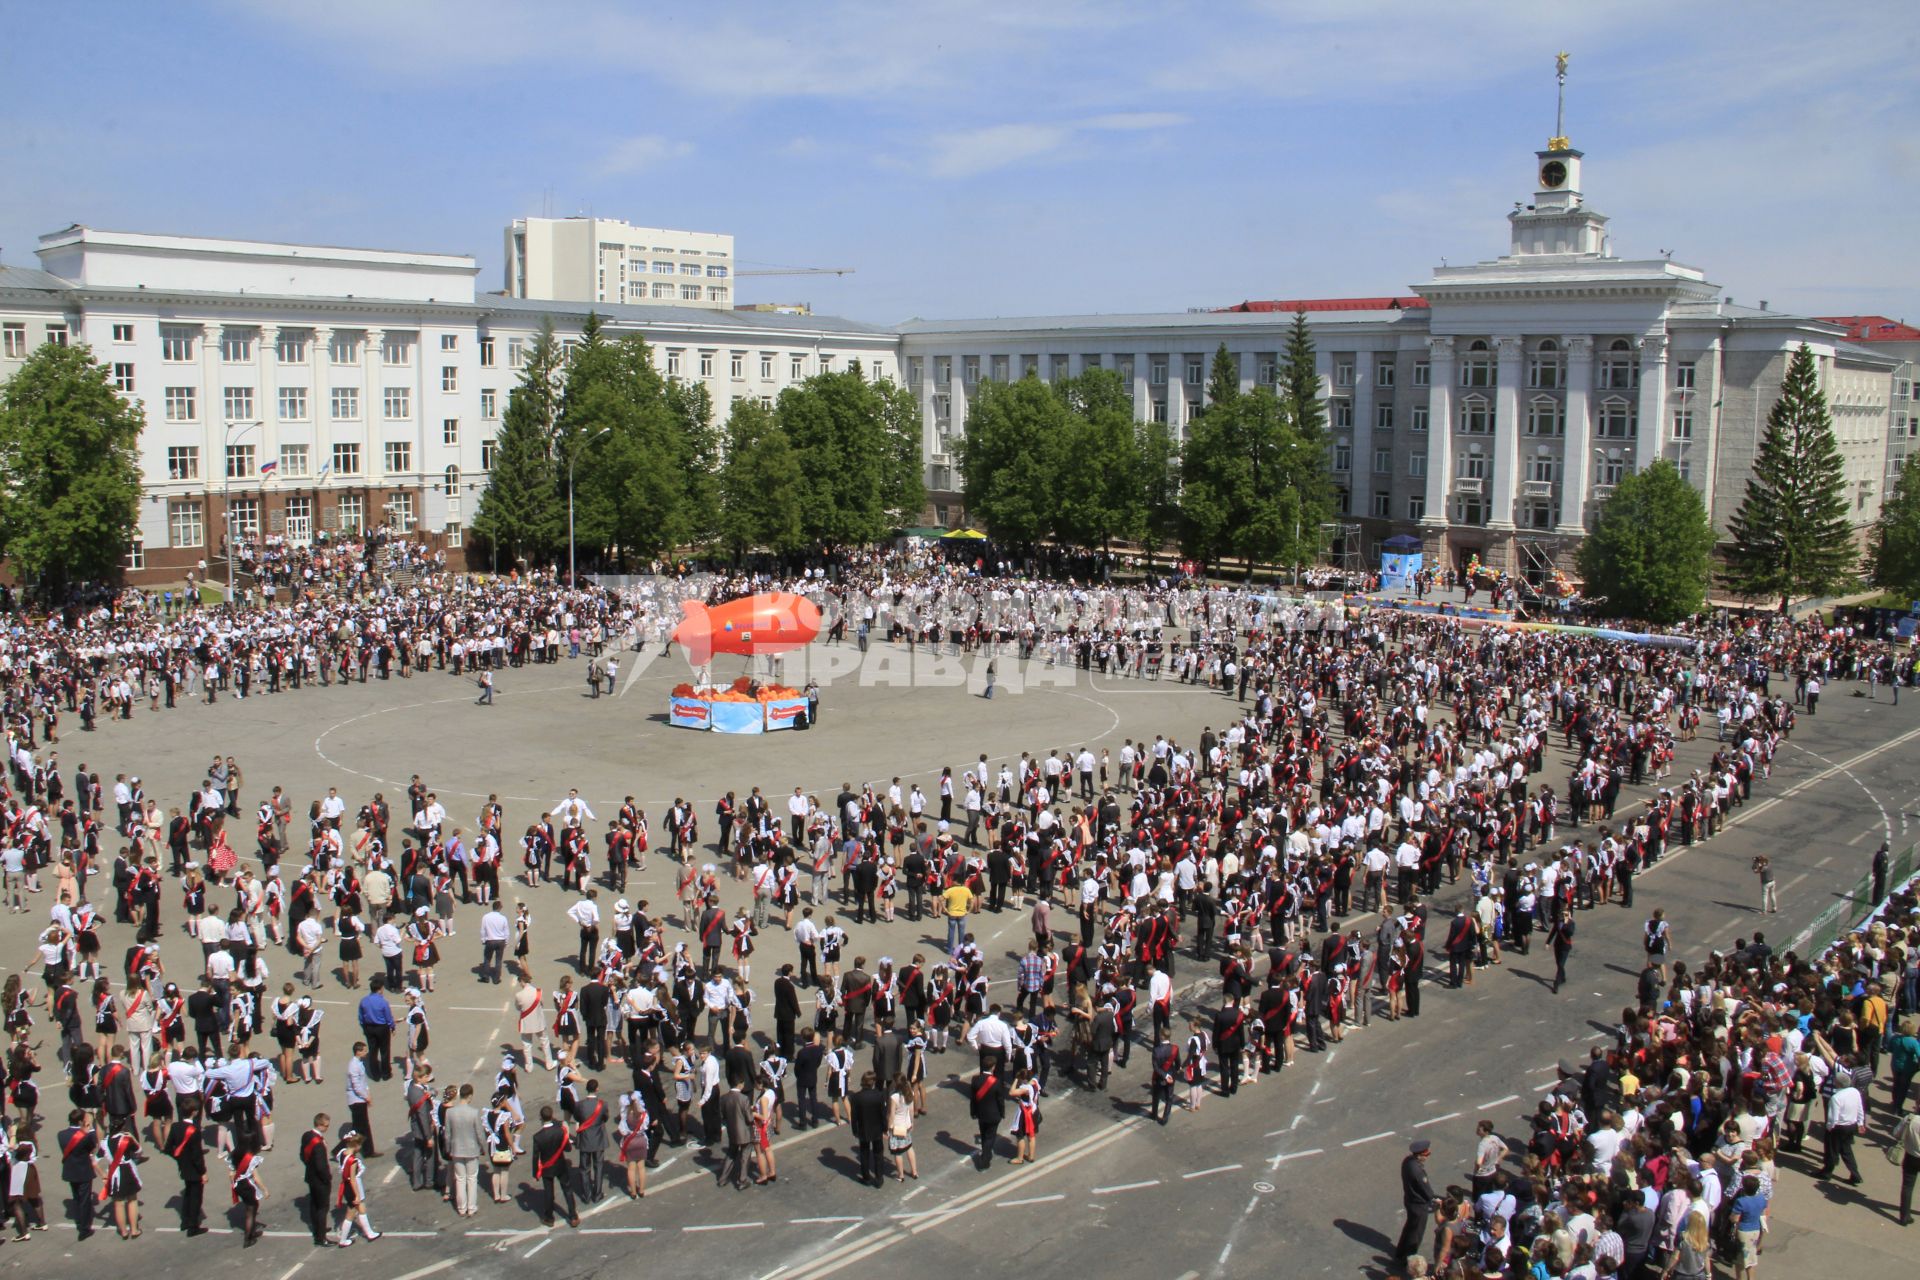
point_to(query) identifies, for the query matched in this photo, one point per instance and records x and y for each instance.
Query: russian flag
(268, 468)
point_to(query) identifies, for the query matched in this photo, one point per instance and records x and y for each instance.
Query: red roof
(1874, 328)
(1331, 304)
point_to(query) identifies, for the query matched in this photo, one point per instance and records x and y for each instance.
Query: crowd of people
(1381, 763)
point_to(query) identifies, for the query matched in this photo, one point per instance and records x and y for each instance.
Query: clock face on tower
(1552, 174)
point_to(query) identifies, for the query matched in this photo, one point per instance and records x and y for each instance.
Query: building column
(1249, 366)
(1652, 410)
(1360, 479)
(1439, 435)
(1142, 388)
(1577, 453)
(1506, 431)
(957, 397)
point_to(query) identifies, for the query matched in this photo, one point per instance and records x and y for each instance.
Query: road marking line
(1545, 1085)
(615, 1231)
(1862, 836)
(289, 1272)
(391, 1175)
(537, 1248)
(1372, 1137)
(1498, 1102)
(725, 1226)
(433, 1270)
(1201, 1173)
(804, 1222)
(1126, 1186)
(1277, 1161)
(1451, 1115)
(1015, 1204)
(847, 1230)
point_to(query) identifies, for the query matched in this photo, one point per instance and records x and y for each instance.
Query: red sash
(986, 1087)
(73, 1144)
(532, 1008)
(113, 1165)
(566, 1140)
(192, 1131)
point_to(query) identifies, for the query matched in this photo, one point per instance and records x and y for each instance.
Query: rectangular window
(1343, 413)
(240, 462)
(1343, 373)
(516, 352)
(344, 348)
(179, 404)
(236, 347)
(449, 342)
(450, 431)
(1545, 417)
(344, 403)
(1417, 506)
(346, 458)
(398, 457)
(1383, 377)
(1160, 411)
(243, 517)
(716, 294)
(237, 403)
(1543, 470)
(449, 377)
(1383, 417)
(766, 368)
(16, 339)
(486, 353)
(294, 461)
(1422, 374)
(706, 364)
(183, 462)
(455, 535)
(1617, 420)
(1476, 415)
(123, 377)
(1157, 371)
(999, 368)
(1417, 421)
(970, 370)
(1476, 370)
(1343, 457)
(826, 364)
(123, 333)
(690, 293)
(1683, 375)
(400, 511)
(176, 343)
(1268, 368)
(1059, 373)
(489, 404)
(136, 554)
(488, 450)
(352, 512)
(290, 347)
(185, 524)
(737, 365)
(396, 349)
(293, 404)
(1196, 371)
(1683, 424)
(1383, 460)
(1382, 503)
(797, 368)
(673, 364)
(56, 335)
(1416, 464)
(396, 403)
(1544, 370)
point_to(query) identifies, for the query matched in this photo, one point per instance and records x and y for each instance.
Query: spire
(1558, 142)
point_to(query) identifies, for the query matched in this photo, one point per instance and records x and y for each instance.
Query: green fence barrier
(1857, 904)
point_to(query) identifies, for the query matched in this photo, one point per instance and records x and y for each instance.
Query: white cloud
(965, 153)
(644, 151)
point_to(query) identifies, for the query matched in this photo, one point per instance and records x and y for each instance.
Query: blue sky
(995, 157)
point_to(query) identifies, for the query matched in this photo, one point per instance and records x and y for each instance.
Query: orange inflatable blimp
(773, 622)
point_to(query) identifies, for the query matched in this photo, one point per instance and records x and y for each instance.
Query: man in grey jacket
(466, 1140)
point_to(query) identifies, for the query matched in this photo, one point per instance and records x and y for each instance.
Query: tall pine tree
(1791, 536)
(521, 514)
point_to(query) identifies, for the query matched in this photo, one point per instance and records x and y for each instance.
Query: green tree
(1307, 449)
(1650, 554)
(1896, 538)
(1010, 458)
(691, 405)
(636, 448)
(69, 471)
(858, 443)
(760, 485)
(1238, 472)
(520, 511)
(1102, 483)
(1791, 536)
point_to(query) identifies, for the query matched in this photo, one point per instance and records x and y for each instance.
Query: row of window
(737, 364)
(237, 404)
(13, 337)
(186, 519)
(242, 460)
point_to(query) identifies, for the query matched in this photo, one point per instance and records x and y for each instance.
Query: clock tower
(1558, 221)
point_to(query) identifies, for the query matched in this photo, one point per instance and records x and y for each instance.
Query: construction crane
(796, 271)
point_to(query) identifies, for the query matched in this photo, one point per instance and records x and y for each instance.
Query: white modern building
(606, 260)
(291, 389)
(1492, 410)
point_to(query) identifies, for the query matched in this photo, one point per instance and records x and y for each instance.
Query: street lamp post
(226, 494)
(573, 456)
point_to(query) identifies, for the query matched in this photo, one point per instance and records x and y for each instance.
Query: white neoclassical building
(291, 389)
(1491, 410)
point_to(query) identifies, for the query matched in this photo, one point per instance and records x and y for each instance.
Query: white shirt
(585, 914)
(495, 927)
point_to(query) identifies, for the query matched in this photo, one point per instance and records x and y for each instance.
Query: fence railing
(1857, 903)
